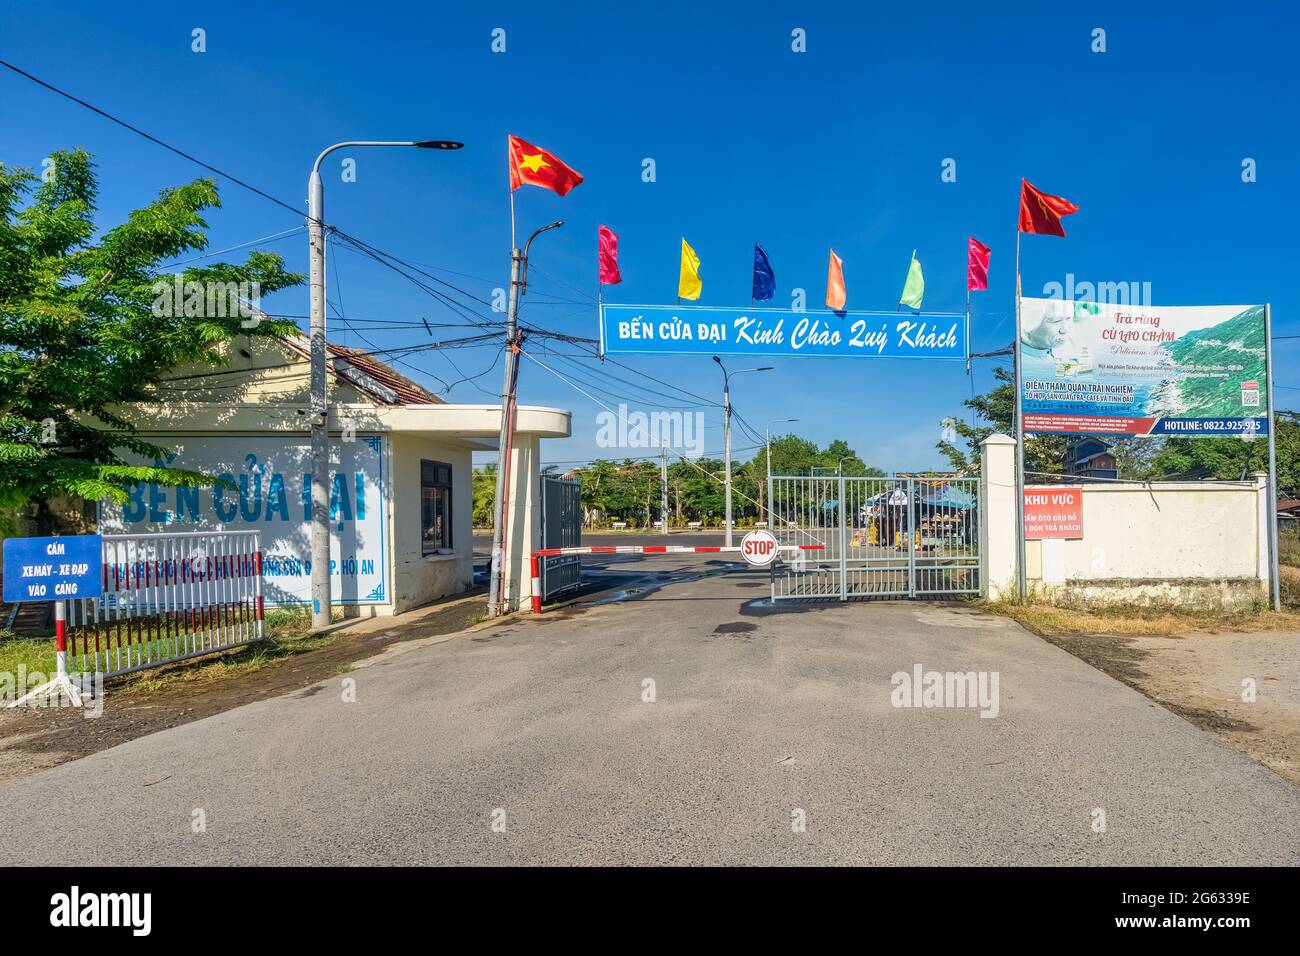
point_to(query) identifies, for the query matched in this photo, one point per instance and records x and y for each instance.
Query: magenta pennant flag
(977, 265)
(608, 243)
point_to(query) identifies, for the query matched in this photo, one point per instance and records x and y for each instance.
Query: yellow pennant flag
(689, 285)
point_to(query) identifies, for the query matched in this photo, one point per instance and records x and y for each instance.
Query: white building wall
(1185, 543)
(1165, 531)
(418, 579)
(524, 534)
(998, 515)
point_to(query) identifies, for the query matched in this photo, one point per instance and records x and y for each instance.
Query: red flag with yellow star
(533, 166)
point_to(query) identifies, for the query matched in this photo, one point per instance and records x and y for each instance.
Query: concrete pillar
(1263, 540)
(998, 516)
(524, 529)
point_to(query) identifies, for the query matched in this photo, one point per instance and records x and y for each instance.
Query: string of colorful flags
(1040, 214)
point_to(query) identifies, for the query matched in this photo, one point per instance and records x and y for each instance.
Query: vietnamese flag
(532, 166)
(977, 265)
(1040, 213)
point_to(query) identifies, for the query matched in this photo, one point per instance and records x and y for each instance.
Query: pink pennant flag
(977, 265)
(608, 243)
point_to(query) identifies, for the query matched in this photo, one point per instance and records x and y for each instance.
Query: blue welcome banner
(704, 330)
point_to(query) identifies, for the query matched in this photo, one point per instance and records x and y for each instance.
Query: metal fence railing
(168, 597)
(903, 537)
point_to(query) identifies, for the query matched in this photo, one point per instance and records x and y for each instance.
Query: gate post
(997, 526)
(911, 537)
(844, 562)
(771, 526)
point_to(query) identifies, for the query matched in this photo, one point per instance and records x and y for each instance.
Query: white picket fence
(168, 597)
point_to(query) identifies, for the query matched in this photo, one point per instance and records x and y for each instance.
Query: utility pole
(663, 488)
(320, 448)
(499, 582)
(1274, 570)
(726, 428)
(510, 380)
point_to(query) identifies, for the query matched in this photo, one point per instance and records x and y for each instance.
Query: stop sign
(759, 548)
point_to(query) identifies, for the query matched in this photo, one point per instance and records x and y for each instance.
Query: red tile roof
(407, 391)
(383, 374)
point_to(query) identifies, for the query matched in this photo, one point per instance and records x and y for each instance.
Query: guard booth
(561, 501)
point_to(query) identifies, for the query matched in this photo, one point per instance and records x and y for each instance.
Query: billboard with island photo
(1097, 368)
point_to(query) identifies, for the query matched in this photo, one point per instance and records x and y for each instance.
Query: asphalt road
(759, 719)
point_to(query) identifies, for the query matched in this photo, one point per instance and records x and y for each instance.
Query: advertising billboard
(1142, 370)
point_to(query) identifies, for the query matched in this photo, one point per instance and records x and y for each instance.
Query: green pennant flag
(914, 287)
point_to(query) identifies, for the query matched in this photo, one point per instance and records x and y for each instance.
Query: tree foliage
(629, 490)
(79, 334)
(1231, 458)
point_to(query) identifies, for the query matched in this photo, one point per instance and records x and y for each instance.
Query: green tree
(791, 453)
(696, 488)
(1233, 458)
(483, 484)
(1135, 455)
(80, 336)
(838, 455)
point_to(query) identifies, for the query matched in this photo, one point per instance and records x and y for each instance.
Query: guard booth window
(435, 506)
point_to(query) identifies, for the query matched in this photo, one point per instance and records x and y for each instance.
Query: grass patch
(1290, 587)
(26, 653)
(287, 633)
(1288, 548)
(1052, 621)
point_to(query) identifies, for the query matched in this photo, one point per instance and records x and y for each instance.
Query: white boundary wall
(1183, 543)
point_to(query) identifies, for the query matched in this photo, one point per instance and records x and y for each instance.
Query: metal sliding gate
(904, 537)
(561, 528)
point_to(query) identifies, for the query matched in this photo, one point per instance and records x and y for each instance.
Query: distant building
(1090, 457)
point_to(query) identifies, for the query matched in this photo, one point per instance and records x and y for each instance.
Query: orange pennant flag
(836, 295)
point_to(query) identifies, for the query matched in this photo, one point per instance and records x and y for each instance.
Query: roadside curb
(400, 647)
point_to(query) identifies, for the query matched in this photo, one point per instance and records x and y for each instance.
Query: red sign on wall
(1053, 513)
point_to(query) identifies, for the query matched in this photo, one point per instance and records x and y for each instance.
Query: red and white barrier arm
(535, 558)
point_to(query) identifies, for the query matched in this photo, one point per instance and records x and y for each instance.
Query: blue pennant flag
(764, 279)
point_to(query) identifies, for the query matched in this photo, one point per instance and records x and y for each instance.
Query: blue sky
(841, 146)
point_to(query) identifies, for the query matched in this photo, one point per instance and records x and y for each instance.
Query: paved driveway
(759, 720)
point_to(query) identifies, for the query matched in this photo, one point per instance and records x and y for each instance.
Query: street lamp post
(767, 442)
(726, 427)
(320, 530)
(767, 432)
